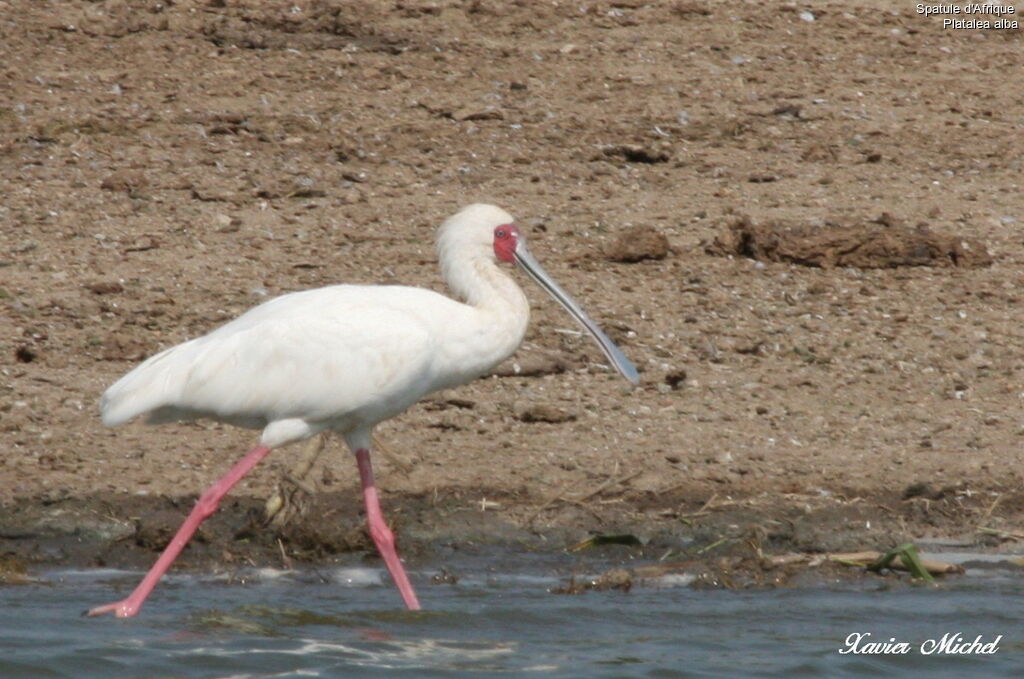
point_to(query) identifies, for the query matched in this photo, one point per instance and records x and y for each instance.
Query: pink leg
(381, 534)
(205, 507)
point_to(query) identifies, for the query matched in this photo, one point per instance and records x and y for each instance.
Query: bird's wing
(316, 355)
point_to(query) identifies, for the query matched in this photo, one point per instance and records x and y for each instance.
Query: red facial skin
(506, 238)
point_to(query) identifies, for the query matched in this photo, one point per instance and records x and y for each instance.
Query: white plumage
(339, 358)
(342, 359)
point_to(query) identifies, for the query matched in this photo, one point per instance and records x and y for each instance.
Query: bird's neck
(478, 280)
(496, 324)
(486, 287)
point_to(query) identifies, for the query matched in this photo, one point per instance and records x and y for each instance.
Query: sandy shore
(167, 166)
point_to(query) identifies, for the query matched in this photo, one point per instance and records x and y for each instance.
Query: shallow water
(496, 622)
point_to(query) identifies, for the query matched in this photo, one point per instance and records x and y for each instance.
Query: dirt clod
(528, 364)
(105, 287)
(25, 354)
(864, 246)
(126, 181)
(676, 378)
(636, 153)
(545, 413)
(637, 244)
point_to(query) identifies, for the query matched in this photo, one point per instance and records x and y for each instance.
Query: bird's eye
(501, 233)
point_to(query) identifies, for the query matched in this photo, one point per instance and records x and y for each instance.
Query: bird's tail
(150, 386)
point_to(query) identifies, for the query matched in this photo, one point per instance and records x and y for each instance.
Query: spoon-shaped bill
(618, 359)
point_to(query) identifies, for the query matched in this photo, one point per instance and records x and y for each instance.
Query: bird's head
(506, 241)
(474, 231)
(478, 231)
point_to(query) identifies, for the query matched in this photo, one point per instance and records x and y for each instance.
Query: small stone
(618, 578)
(127, 181)
(105, 287)
(25, 354)
(545, 413)
(531, 365)
(635, 153)
(477, 113)
(676, 378)
(226, 223)
(143, 243)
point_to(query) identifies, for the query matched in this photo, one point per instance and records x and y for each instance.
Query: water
(347, 623)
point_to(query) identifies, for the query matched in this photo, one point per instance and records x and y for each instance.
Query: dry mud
(168, 164)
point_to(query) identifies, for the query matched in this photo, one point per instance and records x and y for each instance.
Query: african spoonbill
(342, 359)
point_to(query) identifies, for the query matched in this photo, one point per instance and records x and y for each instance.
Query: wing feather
(355, 351)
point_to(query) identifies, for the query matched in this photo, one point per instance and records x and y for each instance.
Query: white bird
(344, 358)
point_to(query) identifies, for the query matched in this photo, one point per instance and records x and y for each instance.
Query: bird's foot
(125, 608)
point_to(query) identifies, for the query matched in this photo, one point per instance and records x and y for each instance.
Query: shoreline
(747, 538)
